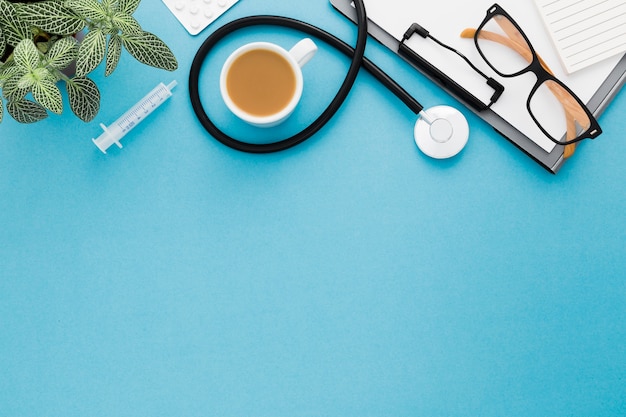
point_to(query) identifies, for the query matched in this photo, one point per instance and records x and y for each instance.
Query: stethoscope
(440, 132)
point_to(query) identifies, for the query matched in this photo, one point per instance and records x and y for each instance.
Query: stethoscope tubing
(356, 54)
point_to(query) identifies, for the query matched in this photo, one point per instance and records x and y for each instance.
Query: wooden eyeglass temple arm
(571, 108)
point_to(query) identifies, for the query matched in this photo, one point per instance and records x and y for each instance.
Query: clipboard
(387, 24)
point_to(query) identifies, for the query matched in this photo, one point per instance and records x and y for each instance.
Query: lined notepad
(585, 31)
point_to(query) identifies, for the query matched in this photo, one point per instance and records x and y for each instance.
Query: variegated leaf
(46, 93)
(128, 6)
(3, 43)
(126, 23)
(84, 98)
(10, 89)
(26, 55)
(7, 71)
(148, 49)
(33, 77)
(91, 52)
(114, 51)
(62, 53)
(1, 110)
(52, 17)
(14, 29)
(26, 111)
(88, 9)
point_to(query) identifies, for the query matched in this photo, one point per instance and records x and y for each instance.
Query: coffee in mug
(262, 83)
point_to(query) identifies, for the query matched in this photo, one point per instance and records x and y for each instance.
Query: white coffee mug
(297, 57)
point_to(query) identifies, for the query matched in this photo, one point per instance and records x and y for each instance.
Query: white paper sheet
(585, 32)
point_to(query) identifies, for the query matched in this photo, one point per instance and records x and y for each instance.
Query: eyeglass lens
(554, 109)
(503, 46)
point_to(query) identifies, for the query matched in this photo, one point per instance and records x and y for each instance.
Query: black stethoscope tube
(358, 61)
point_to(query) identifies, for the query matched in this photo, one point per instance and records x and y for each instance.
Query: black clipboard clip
(445, 80)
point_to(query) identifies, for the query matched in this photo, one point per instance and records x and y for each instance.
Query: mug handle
(303, 51)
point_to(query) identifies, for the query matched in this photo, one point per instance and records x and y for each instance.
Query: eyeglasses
(507, 50)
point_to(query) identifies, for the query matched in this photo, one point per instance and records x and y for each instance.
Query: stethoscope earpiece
(441, 132)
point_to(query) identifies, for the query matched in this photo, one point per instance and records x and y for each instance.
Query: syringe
(133, 117)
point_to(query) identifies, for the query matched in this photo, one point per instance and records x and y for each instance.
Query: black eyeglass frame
(542, 75)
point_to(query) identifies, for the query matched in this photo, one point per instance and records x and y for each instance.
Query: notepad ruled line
(563, 8)
(584, 20)
(596, 35)
(578, 13)
(591, 48)
(594, 56)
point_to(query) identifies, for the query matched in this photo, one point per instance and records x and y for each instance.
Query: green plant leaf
(52, 17)
(148, 49)
(26, 111)
(26, 81)
(114, 52)
(14, 29)
(8, 70)
(1, 110)
(84, 98)
(10, 88)
(3, 43)
(46, 93)
(91, 52)
(126, 23)
(62, 53)
(88, 9)
(26, 55)
(128, 6)
(30, 78)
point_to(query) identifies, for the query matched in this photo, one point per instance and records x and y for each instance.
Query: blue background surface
(349, 276)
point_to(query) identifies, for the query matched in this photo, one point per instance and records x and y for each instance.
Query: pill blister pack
(195, 15)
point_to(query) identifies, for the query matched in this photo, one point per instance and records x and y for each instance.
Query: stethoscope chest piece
(442, 132)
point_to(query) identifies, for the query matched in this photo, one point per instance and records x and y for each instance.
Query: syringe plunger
(118, 129)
